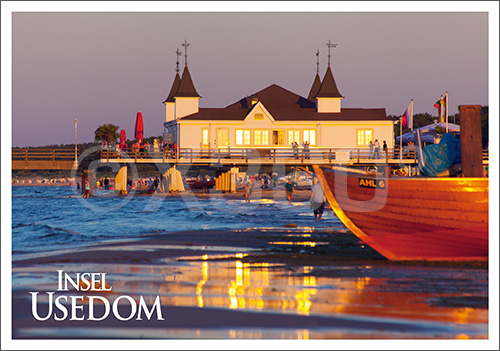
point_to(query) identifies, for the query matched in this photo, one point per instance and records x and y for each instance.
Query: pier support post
(234, 172)
(121, 181)
(470, 140)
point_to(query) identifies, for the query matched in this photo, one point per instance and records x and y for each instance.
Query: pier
(43, 159)
(255, 156)
(64, 159)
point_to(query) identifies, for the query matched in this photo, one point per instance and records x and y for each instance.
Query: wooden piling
(470, 140)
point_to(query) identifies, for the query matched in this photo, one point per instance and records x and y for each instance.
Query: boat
(198, 183)
(411, 218)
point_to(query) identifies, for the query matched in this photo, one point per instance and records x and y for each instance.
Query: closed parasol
(139, 128)
(123, 139)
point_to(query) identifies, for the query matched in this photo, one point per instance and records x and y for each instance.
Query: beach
(275, 283)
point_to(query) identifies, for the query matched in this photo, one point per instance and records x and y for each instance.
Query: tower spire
(330, 45)
(185, 44)
(317, 61)
(177, 63)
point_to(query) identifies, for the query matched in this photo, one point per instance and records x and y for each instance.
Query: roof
(328, 88)
(315, 88)
(284, 105)
(173, 90)
(186, 87)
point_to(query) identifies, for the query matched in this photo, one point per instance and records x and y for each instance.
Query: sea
(418, 301)
(49, 218)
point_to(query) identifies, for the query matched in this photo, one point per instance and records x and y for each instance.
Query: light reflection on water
(271, 287)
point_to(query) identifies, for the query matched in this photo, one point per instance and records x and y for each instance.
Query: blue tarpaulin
(438, 158)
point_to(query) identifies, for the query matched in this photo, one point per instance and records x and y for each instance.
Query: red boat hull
(432, 219)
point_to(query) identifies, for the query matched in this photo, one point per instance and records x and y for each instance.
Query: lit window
(294, 136)
(242, 137)
(310, 136)
(265, 137)
(204, 137)
(239, 137)
(257, 135)
(364, 136)
(261, 137)
(246, 137)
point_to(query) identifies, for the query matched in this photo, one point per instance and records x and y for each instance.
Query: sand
(266, 283)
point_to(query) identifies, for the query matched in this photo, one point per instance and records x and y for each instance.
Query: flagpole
(76, 148)
(400, 139)
(441, 119)
(446, 107)
(411, 114)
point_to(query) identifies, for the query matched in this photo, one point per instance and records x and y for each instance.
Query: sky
(103, 67)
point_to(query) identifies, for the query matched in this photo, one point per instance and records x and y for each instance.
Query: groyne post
(470, 140)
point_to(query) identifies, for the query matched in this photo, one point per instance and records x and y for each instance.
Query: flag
(407, 118)
(404, 120)
(439, 105)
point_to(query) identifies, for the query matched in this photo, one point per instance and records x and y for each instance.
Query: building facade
(272, 118)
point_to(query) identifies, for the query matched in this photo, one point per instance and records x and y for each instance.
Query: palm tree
(107, 132)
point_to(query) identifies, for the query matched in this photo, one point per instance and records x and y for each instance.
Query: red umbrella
(123, 139)
(139, 128)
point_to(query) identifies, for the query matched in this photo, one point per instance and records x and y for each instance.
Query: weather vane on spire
(177, 63)
(185, 44)
(317, 61)
(330, 45)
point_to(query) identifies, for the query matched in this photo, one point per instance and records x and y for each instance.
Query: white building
(273, 118)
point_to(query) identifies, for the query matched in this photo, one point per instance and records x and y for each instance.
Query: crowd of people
(140, 149)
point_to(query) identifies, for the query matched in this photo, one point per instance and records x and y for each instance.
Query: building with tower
(273, 117)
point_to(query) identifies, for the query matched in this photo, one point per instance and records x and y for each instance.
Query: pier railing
(245, 155)
(43, 154)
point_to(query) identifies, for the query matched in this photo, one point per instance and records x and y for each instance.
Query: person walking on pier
(386, 150)
(307, 154)
(376, 146)
(295, 148)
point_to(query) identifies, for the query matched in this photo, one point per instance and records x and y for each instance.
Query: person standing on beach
(106, 183)
(205, 184)
(247, 191)
(317, 200)
(289, 190)
(86, 191)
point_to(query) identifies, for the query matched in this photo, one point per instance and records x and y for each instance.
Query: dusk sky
(104, 67)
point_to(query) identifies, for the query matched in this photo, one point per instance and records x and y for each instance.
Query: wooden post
(470, 140)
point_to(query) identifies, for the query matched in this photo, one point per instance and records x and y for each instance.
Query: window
(242, 137)
(364, 136)
(204, 137)
(278, 137)
(261, 137)
(294, 136)
(310, 136)
(258, 117)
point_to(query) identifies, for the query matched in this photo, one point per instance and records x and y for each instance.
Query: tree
(107, 132)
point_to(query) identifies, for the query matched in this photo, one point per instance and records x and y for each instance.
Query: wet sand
(287, 283)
